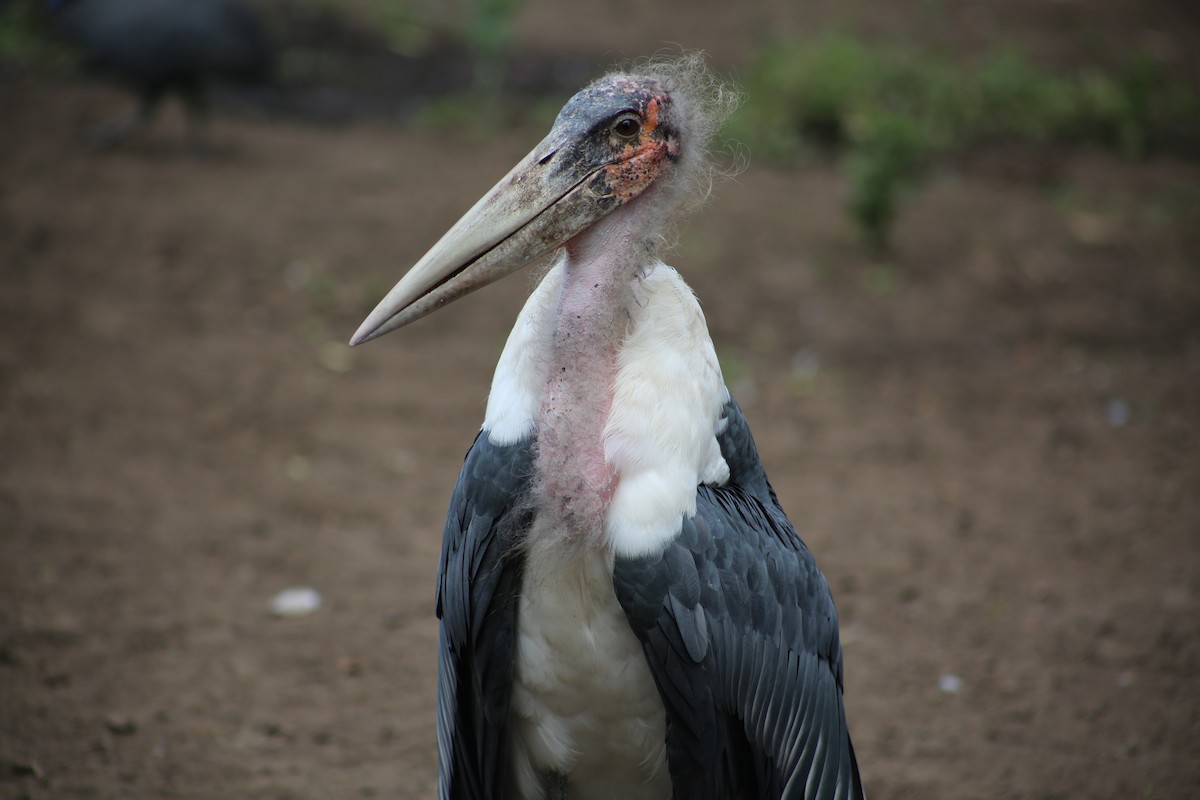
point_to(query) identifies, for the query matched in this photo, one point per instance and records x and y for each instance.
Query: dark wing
(478, 582)
(741, 635)
(155, 44)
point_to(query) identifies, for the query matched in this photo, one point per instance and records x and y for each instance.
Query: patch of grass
(20, 36)
(881, 168)
(887, 113)
(404, 31)
(25, 39)
(477, 116)
(407, 28)
(470, 117)
(488, 31)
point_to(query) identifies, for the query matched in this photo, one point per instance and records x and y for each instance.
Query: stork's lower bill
(626, 610)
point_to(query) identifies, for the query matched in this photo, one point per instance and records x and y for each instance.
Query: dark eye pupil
(627, 127)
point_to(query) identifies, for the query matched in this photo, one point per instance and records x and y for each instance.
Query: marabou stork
(160, 47)
(626, 611)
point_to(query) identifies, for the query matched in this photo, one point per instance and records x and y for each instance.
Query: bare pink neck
(576, 483)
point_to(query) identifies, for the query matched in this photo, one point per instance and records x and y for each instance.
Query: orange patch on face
(627, 179)
(630, 176)
(651, 117)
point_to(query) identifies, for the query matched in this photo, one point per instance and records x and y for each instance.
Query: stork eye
(627, 126)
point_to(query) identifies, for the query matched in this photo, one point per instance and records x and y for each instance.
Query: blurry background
(957, 292)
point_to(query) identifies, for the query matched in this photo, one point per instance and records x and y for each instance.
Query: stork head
(631, 136)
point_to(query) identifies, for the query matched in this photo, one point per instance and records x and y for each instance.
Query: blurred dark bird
(160, 47)
(626, 611)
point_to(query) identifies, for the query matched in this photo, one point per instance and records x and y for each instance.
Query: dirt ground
(989, 439)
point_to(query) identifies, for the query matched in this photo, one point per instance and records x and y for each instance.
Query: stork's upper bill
(610, 143)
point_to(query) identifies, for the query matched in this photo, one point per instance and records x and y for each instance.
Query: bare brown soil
(989, 439)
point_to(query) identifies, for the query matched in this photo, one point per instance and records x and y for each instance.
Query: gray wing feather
(478, 581)
(740, 632)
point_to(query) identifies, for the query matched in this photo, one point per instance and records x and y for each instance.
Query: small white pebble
(297, 468)
(950, 683)
(298, 601)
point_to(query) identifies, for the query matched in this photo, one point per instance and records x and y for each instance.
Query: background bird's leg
(125, 125)
(196, 102)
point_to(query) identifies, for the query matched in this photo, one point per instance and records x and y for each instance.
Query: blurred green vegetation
(23, 39)
(888, 113)
(488, 31)
(481, 114)
(485, 26)
(404, 31)
(19, 37)
(410, 29)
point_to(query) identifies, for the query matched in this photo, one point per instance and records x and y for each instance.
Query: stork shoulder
(516, 394)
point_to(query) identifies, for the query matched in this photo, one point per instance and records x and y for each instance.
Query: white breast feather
(583, 701)
(661, 432)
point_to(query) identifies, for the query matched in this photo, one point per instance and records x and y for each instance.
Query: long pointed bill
(537, 207)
